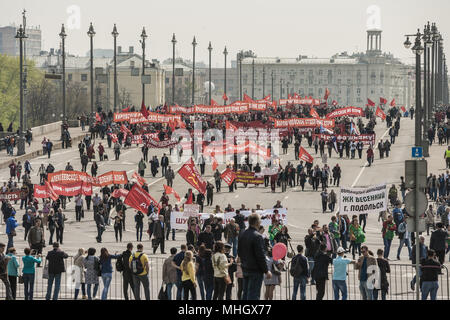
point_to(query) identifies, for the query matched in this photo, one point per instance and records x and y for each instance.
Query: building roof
(337, 60)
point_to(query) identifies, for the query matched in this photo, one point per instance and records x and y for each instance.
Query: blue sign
(417, 152)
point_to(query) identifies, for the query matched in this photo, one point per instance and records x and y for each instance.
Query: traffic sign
(410, 203)
(417, 152)
(411, 224)
(410, 173)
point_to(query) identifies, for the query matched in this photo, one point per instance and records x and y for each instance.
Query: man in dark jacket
(438, 242)
(158, 234)
(56, 266)
(299, 270)
(164, 164)
(127, 274)
(312, 248)
(206, 237)
(253, 260)
(431, 269)
(320, 271)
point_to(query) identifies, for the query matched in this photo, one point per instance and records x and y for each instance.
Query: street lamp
(240, 57)
(115, 34)
(143, 37)
(253, 78)
(194, 43)
(91, 34)
(21, 141)
(63, 36)
(174, 41)
(225, 53)
(210, 49)
(264, 83)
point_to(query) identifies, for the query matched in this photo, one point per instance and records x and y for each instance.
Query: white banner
(179, 221)
(370, 200)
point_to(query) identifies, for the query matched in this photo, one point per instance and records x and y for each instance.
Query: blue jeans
(400, 247)
(209, 287)
(383, 294)
(301, 281)
(429, 287)
(89, 291)
(201, 286)
(340, 286)
(179, 288)
(169, 290)
(10, 242)
(310, 269)
(28, 282)
(234, 243)
(106, 277)
(252, 285)
(139, 228)
(387, 247)
(57, 278)
(367, 294)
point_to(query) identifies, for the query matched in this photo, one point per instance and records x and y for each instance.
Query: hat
(340, 250)
(227, 245)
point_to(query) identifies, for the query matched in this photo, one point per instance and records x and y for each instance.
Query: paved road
(303, 207)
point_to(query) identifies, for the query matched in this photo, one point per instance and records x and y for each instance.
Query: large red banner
(11, 196)
(302, 123)
(213, 110)
(139, 199)
(305, 101)
(228, 176)
(137, 117)
(348, 111)
(190, 173)
(69, 177)
(365, 138)
(305, 156)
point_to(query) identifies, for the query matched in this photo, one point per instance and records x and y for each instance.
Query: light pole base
(426, 148)
(20, 146)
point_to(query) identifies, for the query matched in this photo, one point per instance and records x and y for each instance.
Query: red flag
(169, 190)
(125, 130)
(144, 110)
(40, 192)
(267, 98)
(228, 176)
(224, 97)
(139, 199)
(117, 193)
(189, 199)
(296, 96)
(138, 178)
(214, 103)
(230, 126)
(370, 102)
(305, 156)
(392, 104)
(313, 113)
(215, 164)
(403, 109)
(383, 100)
(327, 94)
(51, 192)
(97, 117)
(289, 96)
(190, 173)
(126, 109)
(247, 98)
(380, 113)
(334, 103)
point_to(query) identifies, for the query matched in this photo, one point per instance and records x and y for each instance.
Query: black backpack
(296, 267)
(136, 264)
(119, 264)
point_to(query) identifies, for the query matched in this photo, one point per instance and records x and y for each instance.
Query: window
(311, 72)
(302, 72)
(84, 77)
(302, 81)
(320, 72)
(69, 77)
(358, 91)
(349, 81)
(339, 82)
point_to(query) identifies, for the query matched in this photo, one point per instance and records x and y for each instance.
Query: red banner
(170, 190)
(139, 199)
(137, 117)
(139, 179)
(11, 196)
(348, 111)
(248, 177)
(86, 189)
(302, 123)
(370, 102)
(368, 139)
(305, 156)
(52, 194)
(212, 110)
(112, 177)
(40, 192)
(161, 144)
(305, 101)
(380, 113)
(117, 193)
(70, 177)
(69, 189)
(228, 176)
(403, 109)
(190, 173)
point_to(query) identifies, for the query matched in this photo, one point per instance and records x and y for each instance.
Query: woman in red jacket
(370, 155)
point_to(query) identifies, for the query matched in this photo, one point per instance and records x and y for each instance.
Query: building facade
(9, 45)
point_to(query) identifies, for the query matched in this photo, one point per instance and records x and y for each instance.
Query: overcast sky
(283, 28)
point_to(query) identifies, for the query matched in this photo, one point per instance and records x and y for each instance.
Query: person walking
(4, 260)
(140, 268)
(56, 267)
(28, 272)
(324, 197)
(388, 232)
(123, 266)
(169, 273)
(221, 276)
(36, 239)
(405, 239)
(363, 264)
(357, 237)
(101, 225)
(438, 242)
(11, 225)
(384, 269)
(300, 272)
(139, 219)
(431, 268)
(13, 271)
(320, 271)
(80, 281)
(141, 167)
(106, 270)
(176, 263)
(60, 219)
(118, 226)
(92, 265)
(158, 235)
(340, 264)
(188, 279)
(78, 207)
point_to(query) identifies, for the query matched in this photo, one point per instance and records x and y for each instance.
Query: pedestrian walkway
(35, 149)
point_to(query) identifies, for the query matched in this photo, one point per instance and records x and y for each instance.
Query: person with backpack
(92, 265)
(299, 271)
(139, 267)
(122, 265)
(340, 264)
(56, 267)
(405, 239)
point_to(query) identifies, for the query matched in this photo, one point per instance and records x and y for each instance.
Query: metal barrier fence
(399, 284)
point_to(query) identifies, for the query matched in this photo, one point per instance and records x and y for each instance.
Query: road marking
(362, 170)
(236, 196)
(286, 197)
(291, 225)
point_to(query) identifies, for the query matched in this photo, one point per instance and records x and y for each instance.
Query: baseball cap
(340, 250)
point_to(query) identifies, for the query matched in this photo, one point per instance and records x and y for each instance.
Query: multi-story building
(129, 77)
(351, 79)
(10, 45)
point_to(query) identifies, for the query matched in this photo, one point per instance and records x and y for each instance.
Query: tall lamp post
(240, 57)
(210, 49)
(225, 53)
(21, 141)
(264, 83)
(91, 34)
(115, 34)
(174, 41)
(253, 79)
(417, 50)
(194, 43)
(25, 71)
(63, 36)
(271, 92)
(142, 41)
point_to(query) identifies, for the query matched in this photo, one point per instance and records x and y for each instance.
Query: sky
(282, 28)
